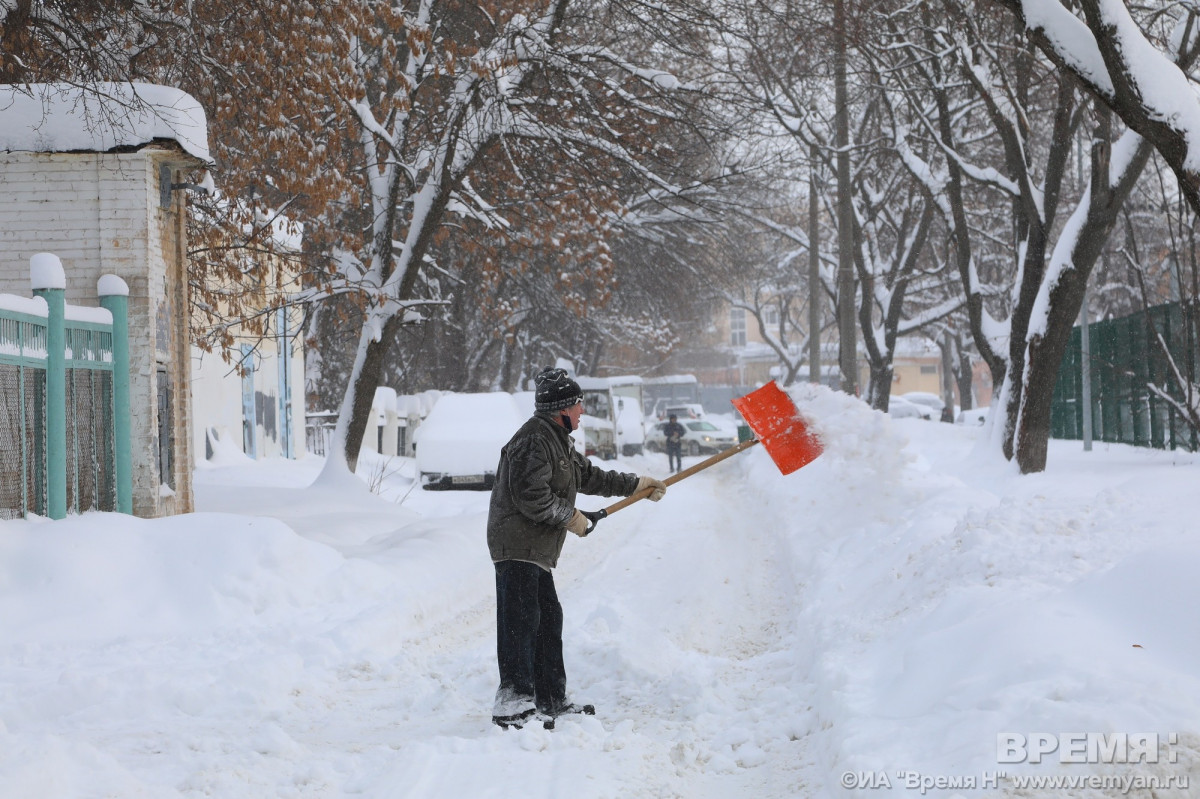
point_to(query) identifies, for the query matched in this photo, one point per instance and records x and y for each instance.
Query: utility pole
(1085, 357)
(847, 330)
(814, 271)
(1085, 344)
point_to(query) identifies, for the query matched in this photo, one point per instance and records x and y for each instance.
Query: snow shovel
(776, 424)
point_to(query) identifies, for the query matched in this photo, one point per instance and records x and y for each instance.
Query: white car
(973, 416)
(699, 436)
(458, 444)
(928, 399)
(900, 408)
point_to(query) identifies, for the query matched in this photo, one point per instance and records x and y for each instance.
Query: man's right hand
(578, 524)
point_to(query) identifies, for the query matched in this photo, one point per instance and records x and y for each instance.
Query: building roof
(52, 117)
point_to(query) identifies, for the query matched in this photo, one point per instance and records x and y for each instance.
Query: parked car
(973, 416)
(458, 444)
(700, 436)
(900, 408)
(928, 399)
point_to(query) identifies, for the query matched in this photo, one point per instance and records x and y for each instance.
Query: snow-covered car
(699, 436)
(458, 444)
(928, 399)
(900, 408)
(973, 416)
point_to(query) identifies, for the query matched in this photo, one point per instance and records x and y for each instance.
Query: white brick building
(100, 197)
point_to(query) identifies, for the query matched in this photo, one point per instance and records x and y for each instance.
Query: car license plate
(466, 478)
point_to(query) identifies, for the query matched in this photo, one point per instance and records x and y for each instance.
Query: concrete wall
(100, 213)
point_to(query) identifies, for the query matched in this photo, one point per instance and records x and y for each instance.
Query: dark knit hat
(555, 390)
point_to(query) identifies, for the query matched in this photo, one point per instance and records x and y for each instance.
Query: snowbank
(104, 576)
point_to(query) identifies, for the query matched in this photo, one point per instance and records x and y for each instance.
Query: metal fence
(63, 396)
(318, 429)
(1124, 359)
(91, 456)
(22, 414)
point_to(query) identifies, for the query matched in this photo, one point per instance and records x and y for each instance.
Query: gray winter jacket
(533, 498)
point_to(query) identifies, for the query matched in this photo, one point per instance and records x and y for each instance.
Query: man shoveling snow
(531, 510)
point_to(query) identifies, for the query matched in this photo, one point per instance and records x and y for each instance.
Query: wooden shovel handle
(594, 516)
(686, 473)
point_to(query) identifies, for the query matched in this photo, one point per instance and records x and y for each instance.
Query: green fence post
(114, 295)
(50, 283)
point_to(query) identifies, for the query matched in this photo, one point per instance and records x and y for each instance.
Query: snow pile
(226, 450)
(861, 444)
(104, 576)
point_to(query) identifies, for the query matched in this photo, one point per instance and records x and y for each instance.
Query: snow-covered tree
(1133, 66)
(397, 112)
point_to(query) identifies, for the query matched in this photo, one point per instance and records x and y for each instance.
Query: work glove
(578, 524)
(659, 487)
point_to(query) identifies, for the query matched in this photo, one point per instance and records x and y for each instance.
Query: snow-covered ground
(889, 614)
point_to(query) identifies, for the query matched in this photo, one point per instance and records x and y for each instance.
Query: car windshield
(705, 426)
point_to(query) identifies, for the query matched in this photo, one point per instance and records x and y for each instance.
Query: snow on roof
(592, 383)
(911, 347)
(54, 117)
(664, 379)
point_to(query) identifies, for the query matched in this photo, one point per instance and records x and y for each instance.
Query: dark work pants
(674, 456)
(529, 623)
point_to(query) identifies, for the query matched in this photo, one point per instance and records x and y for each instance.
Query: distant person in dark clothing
(674, 431)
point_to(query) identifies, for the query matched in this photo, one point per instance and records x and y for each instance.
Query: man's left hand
(578, 523)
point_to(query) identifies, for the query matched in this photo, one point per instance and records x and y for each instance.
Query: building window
(929, 370)
(770, 316)
(737, 327)
(166, 431)
(249, 407)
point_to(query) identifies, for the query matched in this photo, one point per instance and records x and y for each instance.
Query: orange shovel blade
(773, 417)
